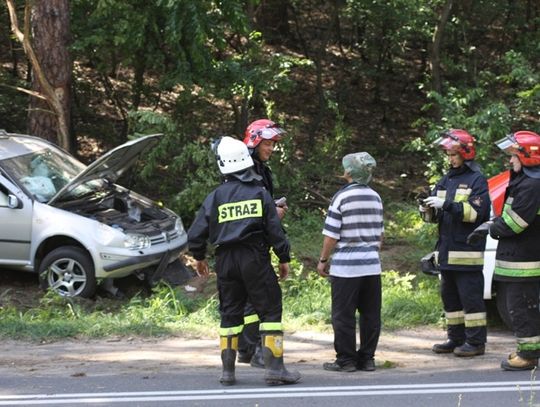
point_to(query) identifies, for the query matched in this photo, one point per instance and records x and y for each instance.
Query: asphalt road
(199, 388)
(185, 371)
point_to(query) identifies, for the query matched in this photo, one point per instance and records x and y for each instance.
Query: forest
(339, 75)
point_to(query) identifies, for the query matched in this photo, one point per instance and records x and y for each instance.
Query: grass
(167, 311)
(409, 298)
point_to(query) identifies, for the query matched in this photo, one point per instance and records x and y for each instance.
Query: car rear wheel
(69, 271)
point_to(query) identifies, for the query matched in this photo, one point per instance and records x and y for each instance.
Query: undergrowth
(409, 298)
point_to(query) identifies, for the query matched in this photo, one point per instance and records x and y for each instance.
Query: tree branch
(49, 93)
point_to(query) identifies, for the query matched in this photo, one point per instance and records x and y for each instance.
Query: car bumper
(114, 265)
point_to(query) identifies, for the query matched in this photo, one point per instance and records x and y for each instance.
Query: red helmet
(459, 141)
(525, 144)
(262, 129)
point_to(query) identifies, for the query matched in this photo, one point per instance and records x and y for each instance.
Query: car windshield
(43, 172)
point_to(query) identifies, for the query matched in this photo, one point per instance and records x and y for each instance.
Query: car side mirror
(13, 202)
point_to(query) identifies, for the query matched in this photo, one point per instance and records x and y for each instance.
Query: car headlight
(179, 226)
(136, 242)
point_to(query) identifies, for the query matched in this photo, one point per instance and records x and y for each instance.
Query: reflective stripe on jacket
(518, 230)
(466, 206)
(237, 212)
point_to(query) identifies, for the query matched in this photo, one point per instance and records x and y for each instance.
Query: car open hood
(111, 165)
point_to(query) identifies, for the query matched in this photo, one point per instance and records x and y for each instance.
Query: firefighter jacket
(235, 213)
(518, 231)
(466, 206)
(266, 173)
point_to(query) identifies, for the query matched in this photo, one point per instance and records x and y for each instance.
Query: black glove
(479, 233)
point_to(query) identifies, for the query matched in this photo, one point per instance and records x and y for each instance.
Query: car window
(44, 171)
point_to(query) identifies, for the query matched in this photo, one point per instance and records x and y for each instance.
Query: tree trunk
(272, 19)
(51, 38)
(435, 61)
(335, 11)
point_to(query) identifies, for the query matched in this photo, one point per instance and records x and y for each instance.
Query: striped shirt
(355, 220)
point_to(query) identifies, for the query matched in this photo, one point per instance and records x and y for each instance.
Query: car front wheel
(69, 271)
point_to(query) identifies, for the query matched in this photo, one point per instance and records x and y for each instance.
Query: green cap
(359, 166)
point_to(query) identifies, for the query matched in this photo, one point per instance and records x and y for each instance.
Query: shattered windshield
(43, 172)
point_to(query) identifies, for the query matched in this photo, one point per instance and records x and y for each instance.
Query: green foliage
(185, 166)
(12, 117)
(252, 76)
(176, 38)
(166, 311)
(306, 299)
(484, 111)
(404, 225)
(388, 26)
(409, 300)
(337, 144)
(304, 229)
(202, 72)
(311, 181)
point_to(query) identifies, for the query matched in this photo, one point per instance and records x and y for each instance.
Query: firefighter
(239, 218)
(460, 203)
(261, 137)
(517, 261)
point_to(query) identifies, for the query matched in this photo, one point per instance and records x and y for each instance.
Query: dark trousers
(250, 337)
(522, 302)
(463, 291)
(245, 273)
(362, 294)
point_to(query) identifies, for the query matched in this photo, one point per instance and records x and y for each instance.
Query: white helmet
(232, 155)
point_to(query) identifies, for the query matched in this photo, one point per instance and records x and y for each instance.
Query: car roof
(14, 145)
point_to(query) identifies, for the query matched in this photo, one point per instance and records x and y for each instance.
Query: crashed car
(72, 223)
(497, 187)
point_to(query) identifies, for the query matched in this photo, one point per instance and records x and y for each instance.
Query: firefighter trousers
(522, 303)
(462, 294)
(245, 274)
(250, 337)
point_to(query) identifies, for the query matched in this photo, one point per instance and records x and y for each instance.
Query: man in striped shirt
(353, 231)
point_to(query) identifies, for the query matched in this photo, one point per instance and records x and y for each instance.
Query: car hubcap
(67, 277)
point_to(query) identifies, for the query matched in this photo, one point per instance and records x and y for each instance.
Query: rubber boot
(257, 360)
(275, 372)
(229, 345)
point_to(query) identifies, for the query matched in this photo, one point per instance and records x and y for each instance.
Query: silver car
(72, 224)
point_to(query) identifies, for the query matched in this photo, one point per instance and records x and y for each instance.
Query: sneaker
(468, 350)
(446, 347)
(334, 367)
(367, 365)
(516, 362)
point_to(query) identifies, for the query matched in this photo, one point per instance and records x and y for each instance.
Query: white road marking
(265, 393)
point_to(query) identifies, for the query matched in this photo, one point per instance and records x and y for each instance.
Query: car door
(16, 225)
